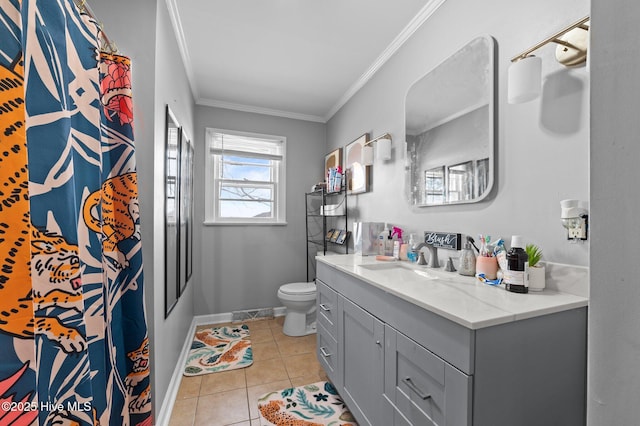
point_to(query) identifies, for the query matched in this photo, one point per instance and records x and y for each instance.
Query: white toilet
(300, 301)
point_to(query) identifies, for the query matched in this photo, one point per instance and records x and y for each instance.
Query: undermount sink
(396, 270)
(381, 266)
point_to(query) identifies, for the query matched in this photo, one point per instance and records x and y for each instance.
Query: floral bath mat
(219, 349)
(317, 404)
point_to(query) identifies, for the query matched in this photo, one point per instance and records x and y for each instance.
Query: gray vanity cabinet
(395, 363)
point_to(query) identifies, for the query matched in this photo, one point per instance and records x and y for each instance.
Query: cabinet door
(424, 388)
(361, 362)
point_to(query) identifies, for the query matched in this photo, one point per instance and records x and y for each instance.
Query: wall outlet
(580, 232)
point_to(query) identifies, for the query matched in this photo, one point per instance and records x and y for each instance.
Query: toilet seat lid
(298, 288)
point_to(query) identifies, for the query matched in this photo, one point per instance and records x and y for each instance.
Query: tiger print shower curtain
(73, 336)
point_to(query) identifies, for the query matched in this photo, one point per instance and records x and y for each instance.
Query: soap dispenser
(388, 244)
(467, 264)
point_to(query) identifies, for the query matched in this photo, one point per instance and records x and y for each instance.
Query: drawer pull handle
(378, 342)
(415, 389)
(324, 352)
(324, 307)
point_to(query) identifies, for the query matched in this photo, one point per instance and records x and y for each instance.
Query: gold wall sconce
(383, 149)
(525, 72)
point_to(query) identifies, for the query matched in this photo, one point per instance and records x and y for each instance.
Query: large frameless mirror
(450, 129)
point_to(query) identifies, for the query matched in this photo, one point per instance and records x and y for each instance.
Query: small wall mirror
(172, 197)
(186, 211)
(450, 129)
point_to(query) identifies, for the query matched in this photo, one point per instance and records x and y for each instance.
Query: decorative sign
(443, 240)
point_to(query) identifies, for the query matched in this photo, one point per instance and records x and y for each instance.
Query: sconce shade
(367, 155)
(383, 147)
(525, 80)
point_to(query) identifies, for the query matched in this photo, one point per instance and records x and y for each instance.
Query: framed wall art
(358, 174)
(332, 159)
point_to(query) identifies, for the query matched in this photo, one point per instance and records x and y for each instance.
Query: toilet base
(296, 324)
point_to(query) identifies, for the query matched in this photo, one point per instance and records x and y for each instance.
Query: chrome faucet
(433, 255)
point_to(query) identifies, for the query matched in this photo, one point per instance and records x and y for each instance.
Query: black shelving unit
(318, 226)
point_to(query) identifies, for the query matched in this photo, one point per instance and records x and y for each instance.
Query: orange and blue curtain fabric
(74, 348)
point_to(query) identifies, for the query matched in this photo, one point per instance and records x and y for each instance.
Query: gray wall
(614, 376)
(543, 146)
(171, 88)
(241, 267)
(142, 31)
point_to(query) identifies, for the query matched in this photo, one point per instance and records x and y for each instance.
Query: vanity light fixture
(525, 71)
(383, 149)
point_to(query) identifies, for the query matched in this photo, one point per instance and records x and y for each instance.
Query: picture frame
(358, 174)
(332, 159)
(336, 234)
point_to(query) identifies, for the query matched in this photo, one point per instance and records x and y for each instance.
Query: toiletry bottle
(516, 277)
(398, 243)
(382, 237)
(467, 261)
(388, 244)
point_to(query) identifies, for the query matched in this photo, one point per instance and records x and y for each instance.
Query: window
(245, 178)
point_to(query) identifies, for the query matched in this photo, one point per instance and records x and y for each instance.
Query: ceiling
(292, 58)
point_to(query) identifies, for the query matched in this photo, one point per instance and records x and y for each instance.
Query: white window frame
(212, 182)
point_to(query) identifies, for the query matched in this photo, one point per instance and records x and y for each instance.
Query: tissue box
(365, 235)
(332, 210)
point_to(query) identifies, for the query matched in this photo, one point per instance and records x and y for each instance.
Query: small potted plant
(536, 271)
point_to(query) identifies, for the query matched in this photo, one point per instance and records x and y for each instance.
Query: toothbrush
(483, 248)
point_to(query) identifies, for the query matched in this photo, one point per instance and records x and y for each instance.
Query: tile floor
(231, 397)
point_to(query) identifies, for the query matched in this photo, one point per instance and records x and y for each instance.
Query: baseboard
(164, 414)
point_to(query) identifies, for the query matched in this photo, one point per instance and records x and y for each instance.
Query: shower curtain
(73, 338)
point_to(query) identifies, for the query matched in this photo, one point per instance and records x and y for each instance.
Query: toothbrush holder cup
(487, 266)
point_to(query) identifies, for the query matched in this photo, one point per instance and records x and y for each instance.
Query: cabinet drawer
(327, 352)
(327, 311)
(423, 387)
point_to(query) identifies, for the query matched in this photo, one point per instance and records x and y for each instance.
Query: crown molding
(424, 14)
(259, 110)
(176, 23)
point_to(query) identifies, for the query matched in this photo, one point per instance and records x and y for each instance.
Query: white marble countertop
(464, 300)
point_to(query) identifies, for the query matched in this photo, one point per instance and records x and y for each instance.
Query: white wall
(614, 340)
(142, 31)
(241, 267)
(542, 146)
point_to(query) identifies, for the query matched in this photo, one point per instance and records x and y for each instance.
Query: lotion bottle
(382, 237)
